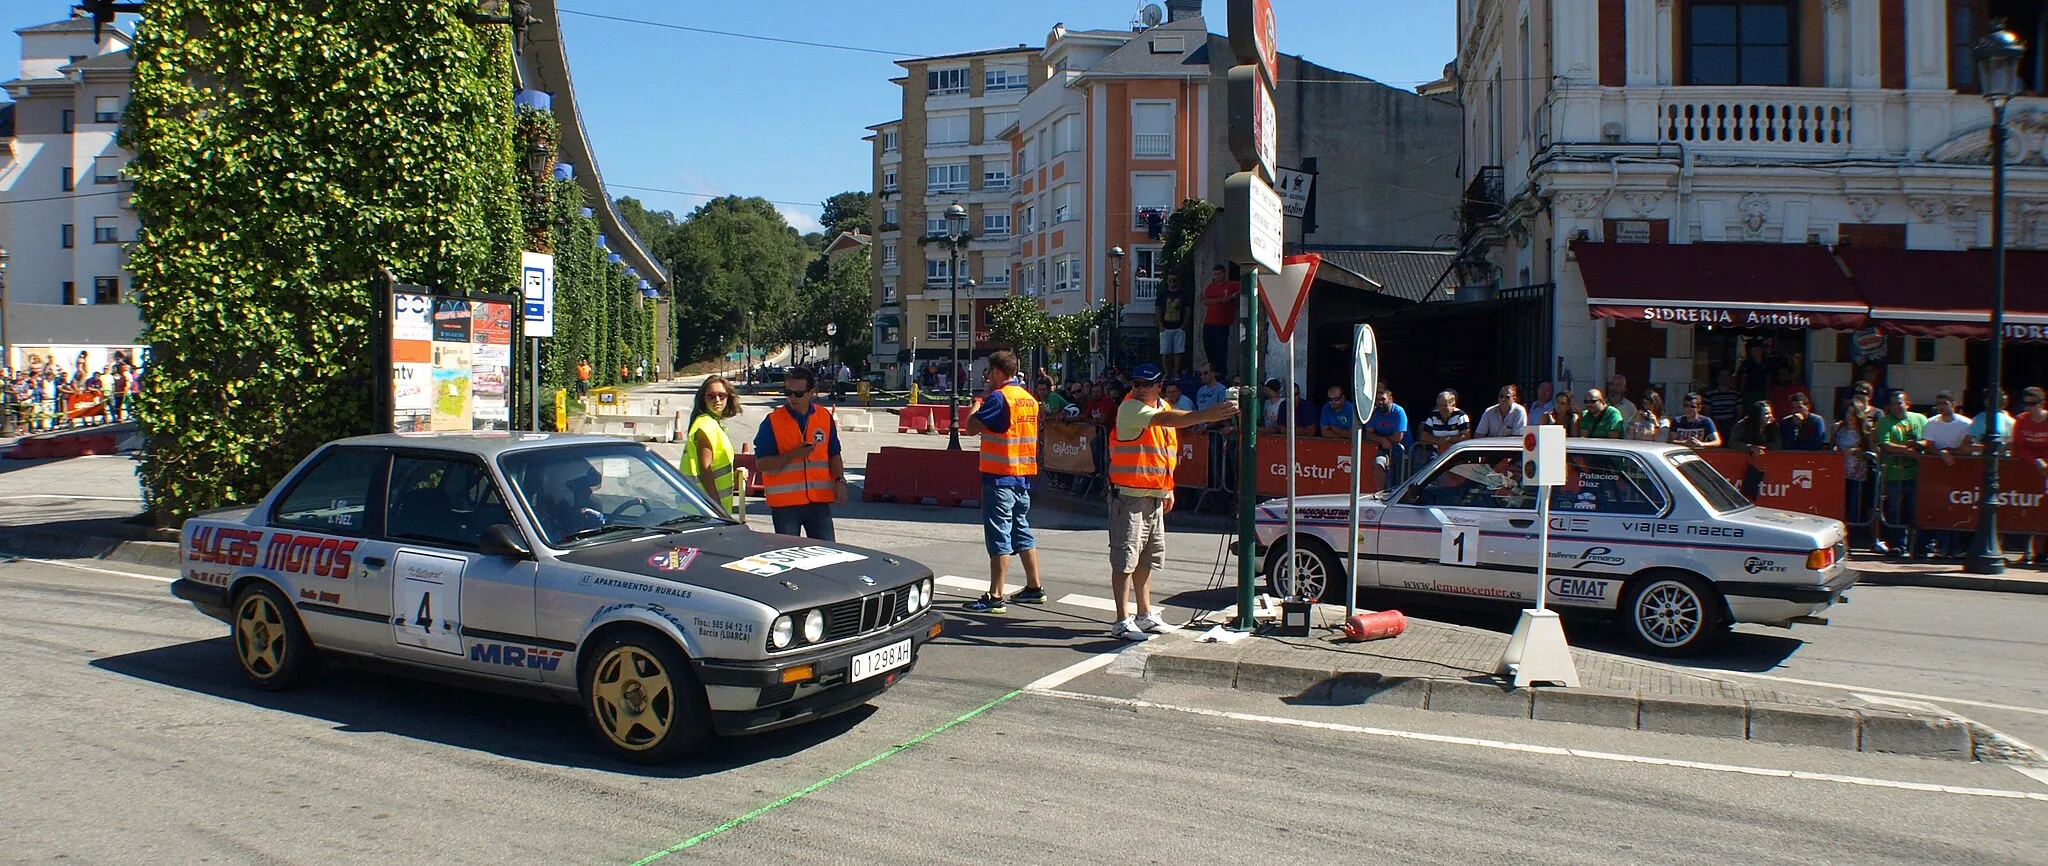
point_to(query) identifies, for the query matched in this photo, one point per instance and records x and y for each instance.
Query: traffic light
(1543, 456)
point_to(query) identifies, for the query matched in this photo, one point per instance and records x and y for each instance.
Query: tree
(841, 296)
(732, 256)
(650, 225)
(284, 153)
(1018, 323)
(850, 211)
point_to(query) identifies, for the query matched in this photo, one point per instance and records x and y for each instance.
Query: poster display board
(451, 363)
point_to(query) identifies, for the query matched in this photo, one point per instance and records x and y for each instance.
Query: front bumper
(777, 704)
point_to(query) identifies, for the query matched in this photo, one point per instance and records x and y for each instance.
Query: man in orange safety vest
(797, 451)
(1007, 423)
(1143, 448)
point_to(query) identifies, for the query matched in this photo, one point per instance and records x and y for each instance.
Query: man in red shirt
(1219, 312)
(2030, 444)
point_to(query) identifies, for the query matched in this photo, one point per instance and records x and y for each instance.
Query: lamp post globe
(1998, 57)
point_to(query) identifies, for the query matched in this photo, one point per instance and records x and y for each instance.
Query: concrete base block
(1354, 688)
(1586, 707)
(1802, 726)
(1482, 699)
(1279, 679)
(1699, 717)
(1914, 734)
(1192, 671)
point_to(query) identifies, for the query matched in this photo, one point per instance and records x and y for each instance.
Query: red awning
(1733, 285)
(1947, 293)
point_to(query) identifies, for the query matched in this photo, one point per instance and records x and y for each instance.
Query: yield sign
(1287, 291)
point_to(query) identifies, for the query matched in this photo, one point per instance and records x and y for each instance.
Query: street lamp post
(1998, 58)
(956, 231)
(832, 358)
(5, 347)
(1116, 273)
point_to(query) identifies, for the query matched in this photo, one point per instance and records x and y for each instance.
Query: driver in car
(568, 505)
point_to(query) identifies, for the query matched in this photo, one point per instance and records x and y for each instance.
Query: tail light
(1820, 560)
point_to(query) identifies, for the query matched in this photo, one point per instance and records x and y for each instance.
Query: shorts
(1173, 341)
(1005, 519)
(1137, 533)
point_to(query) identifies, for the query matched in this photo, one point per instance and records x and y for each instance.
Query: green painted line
(792, 797)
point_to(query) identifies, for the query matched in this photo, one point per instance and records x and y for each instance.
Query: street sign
(537, 293)
(1255, 223)
(1254, 121)
(1294, 186)
(1365, 371)
(1254, 36)
(1285, 292)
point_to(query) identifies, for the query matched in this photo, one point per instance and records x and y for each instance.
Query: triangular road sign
(1287, 291)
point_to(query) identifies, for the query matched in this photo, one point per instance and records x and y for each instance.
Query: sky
(685, 116)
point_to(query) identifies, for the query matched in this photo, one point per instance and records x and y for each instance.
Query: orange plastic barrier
(912, 475)
(1808, 481)
(1321, 466)
(746, 461)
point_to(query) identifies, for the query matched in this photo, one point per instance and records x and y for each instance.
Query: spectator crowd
(45, 396)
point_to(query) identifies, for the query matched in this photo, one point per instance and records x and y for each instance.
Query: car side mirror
(503, 540)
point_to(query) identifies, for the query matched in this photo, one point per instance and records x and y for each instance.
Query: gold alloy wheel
(634, 701)
(260, 636)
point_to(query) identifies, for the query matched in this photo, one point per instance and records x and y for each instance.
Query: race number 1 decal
(426, 601)
(1459, 545)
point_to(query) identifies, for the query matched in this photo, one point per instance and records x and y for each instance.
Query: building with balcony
(65, 218)
(943, 150)
(1678, 180)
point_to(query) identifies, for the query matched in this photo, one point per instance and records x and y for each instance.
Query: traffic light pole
(1248, 457)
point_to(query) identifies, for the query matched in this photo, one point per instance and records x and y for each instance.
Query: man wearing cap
(1007, 423)
(1143, 448)
(797, 451)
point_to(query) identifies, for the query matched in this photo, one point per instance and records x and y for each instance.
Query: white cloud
(800, 219)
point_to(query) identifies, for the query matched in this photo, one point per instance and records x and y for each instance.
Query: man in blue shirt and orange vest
(1008, 425)
(1143, 449)
(797, 451)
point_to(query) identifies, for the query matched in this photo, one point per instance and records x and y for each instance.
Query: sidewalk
(1874, 570)
(1449, 668)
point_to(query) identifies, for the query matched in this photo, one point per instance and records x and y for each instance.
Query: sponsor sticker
(637, 585)
(1590, 556)
(1578, 588)
(616, 467)
(1760, 565)
(806, 558)
(515, 656)
(673, 559)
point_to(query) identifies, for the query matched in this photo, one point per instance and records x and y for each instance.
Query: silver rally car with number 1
(1647, 531)
(580, 566)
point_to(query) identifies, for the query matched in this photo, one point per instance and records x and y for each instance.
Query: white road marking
(1901, 703)
(2035, 773)
(1847, 688)
(63, 564)
(1558, 751)
(957, 582)
(1088, 601)
(1062, 676)
(70, 496)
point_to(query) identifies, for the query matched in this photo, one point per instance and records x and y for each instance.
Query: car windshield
(590, 494)
(1718, 493)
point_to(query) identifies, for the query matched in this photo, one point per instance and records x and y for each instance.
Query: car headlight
(916, 600)
(814, 625)
(780, 633)
(928, 590)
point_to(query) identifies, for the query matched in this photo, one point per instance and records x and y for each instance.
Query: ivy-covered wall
(286, 151)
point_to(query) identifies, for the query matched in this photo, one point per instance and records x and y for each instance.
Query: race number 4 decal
(426, 602)
(1459, 545)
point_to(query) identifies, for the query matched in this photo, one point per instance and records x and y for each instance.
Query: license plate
(887, 658)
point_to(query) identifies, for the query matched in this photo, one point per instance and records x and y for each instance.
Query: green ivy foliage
(285, 152)
(1184, 228)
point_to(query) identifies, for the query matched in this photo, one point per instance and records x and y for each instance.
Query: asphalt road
(131, 738)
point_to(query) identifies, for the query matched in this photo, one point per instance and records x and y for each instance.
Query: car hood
(781, 571)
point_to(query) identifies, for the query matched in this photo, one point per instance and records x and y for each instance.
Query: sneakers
(1128, 630)
(987, 604)
(1151, 622)
(1030, 595)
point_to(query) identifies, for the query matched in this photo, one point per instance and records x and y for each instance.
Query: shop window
(1923, 350)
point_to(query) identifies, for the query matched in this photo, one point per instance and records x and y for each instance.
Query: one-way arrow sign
(1284, 293)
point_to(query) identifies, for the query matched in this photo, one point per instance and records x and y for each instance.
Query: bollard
(1374, 626)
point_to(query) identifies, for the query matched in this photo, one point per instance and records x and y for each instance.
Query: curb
(1854, 729)
(1950, 580)
(57, 545)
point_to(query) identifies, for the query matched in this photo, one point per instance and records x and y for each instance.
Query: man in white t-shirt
(1978, 432)
(1946, 435)
(1505, 418)
(1617, 395)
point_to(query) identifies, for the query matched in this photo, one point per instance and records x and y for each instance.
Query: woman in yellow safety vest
(707, 452)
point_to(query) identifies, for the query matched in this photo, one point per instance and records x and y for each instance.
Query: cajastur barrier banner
(1947, 494)
(1324, 466)
(1066, 447)
(1808, 481)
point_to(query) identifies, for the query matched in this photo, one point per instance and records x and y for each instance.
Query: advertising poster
(451, 363)
(490, 330)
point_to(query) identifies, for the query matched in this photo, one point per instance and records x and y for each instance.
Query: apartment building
(65, 218)
(1677, 180)
(944, 150)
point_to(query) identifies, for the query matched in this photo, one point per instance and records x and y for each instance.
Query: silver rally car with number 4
(580, 566)
(1645, 530)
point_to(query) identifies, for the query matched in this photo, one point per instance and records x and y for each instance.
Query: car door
(452, 604)
(1466, 529)
(1605, 524)
(322, 544)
